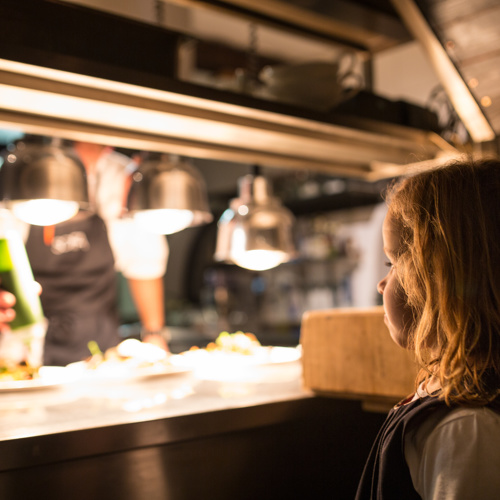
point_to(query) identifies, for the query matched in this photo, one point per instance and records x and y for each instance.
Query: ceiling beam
(345, 23)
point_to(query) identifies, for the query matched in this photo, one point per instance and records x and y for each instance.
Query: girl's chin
(396, 335)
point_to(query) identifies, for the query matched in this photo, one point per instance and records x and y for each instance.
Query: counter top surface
(80, 405)
(171, 437)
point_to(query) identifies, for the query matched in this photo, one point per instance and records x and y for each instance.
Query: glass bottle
(24, 342)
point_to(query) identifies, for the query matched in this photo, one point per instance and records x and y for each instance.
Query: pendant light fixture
(167, 195)
(255, 232)
(42, 183)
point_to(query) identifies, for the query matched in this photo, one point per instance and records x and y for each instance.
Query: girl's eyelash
(388, 264)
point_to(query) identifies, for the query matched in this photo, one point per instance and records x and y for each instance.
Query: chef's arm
(147, 295)
(141, 257)
(148, 299)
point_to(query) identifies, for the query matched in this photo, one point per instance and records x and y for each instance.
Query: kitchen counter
(80, 405)
(258, 434)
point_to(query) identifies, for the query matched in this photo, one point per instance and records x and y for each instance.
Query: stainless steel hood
(459, 39)
(82, 74)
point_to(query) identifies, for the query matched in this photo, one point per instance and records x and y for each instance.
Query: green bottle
(16, 275)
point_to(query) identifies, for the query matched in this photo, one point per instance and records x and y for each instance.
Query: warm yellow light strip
(77, 85)
(451, 80)
(170, 125)
(77, 81)
(133, 139)
(55, 75)
(69, 102)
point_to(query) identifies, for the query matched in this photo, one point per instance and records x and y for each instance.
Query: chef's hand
(156, 339)
(7, 313)
(7, 302)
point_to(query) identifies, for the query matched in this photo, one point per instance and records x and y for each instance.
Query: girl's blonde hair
(449, 267)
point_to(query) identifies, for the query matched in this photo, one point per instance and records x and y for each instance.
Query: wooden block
(349, 352)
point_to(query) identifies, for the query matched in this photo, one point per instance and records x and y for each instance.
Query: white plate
(263, 356)
(49, 377)
(120, 373)
(235, 368)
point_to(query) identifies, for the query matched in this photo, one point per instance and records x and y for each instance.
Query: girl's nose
(381, 286)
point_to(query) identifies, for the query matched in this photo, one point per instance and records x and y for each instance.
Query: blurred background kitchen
(237, 51)
(286, 120)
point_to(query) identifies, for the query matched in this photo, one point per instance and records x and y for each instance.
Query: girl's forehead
(390, 223)
(391, 232)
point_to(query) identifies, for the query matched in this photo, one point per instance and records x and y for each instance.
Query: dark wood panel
(318, 455)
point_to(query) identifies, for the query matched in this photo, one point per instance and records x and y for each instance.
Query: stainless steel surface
(256, 131)
(256, 223)
(469, 35)
(171, 184)
(139, 103)
(355, 24)
(43, 171)
(452, 81)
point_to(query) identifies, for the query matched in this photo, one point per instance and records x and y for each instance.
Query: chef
(76, 261)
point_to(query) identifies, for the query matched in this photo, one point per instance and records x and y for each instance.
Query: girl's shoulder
(470, 419)
(454, 450)
(472, 423)
(479, 413)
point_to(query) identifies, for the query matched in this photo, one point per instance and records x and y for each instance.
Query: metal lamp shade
(169, 194)
(255, 232)
(36, 172)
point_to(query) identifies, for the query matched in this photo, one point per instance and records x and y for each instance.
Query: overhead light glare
(168, 195)
(43, 183)
(44, 212)
(260, 260)
(255, 232)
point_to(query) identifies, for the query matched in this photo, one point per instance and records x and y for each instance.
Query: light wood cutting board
(350, 352)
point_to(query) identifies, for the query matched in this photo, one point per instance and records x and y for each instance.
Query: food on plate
(239, 342)
(127, 358)
(230, 350)
(10, 371)
(130, 352)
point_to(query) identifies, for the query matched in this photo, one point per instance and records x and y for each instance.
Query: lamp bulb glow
(259, 260)
(44, 212)
(165, 220)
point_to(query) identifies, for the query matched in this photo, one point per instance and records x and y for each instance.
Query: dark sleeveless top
(386, 475)
(76, 271)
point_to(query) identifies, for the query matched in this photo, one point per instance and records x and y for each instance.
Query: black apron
(75, 267)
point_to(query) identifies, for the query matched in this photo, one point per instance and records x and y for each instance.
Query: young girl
(442, 300)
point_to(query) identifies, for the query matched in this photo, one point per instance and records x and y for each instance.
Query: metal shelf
(79, 93)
